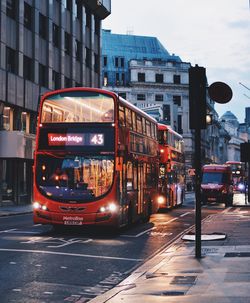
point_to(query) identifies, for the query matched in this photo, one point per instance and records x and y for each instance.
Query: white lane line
(7, 230)
(140, 234)
(185, 214)
(68, 254)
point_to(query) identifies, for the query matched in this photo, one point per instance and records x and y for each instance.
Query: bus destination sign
(76, 139)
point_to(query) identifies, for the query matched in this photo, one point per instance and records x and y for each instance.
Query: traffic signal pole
(197, 121)
(197, 165)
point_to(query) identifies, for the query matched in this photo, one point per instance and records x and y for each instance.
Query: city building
(142, 71)
(238, 135)
(44, 45)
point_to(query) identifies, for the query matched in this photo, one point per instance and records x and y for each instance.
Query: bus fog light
(161, 200)
(44, 207)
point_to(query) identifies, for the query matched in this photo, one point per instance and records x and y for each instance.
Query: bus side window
(128, 118)
(134, 121)
(121, 116)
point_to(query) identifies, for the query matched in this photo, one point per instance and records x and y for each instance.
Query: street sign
(220, 92)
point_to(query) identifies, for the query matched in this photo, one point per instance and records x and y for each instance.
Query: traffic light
(245, 152)
(197, 97)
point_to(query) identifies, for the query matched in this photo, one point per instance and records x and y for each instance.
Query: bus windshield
(214, 177)
(73, 177)
(78, 106)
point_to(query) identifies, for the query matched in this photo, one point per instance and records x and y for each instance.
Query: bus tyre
(146, 218)
(130, 214)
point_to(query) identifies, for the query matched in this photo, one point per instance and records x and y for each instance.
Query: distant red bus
(238, 175)
(172, 167)
(96, 160)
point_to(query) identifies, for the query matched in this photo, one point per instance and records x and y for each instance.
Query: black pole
(197, 164)
(248, 178)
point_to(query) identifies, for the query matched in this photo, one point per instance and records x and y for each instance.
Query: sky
(214, 34)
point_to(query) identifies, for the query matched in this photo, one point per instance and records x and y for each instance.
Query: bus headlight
(37, 205)
(160, 200)
(111, 207)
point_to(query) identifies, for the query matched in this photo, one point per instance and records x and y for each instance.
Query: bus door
(140, 189)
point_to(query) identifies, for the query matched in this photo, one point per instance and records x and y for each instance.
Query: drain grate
(184, 280)
(239, 254)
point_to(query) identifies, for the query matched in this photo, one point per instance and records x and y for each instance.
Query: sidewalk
(222, 275)
(11, 210)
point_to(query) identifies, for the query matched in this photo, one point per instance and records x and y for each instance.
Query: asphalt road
(39, 264)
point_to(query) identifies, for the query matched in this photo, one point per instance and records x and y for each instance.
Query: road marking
(16, 289)
(185, 214)
(7, 230)
(69, 254)
(140, 234)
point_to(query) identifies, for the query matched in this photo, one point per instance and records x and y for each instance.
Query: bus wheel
(146, 218)
(130, 214)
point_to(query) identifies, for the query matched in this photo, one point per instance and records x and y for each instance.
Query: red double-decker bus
(172, 167)
(96, 160)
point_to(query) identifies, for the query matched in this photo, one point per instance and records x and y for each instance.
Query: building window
(119, 62)
(123, 95)
(179, 125)
(67, 43)
(7, 118)
(105, 61)
(97, 65)
(88, 57)
(117, 79)
(97, 26)
(69, 5)
(122, 62)
(177, 100)
(11, 8)
(24, 122)
(56, 80)
(141, 77)
(116, 61)
(159, 78)
(88, 19)
(79, 9)
(141, 97)
(43, 75)
(56, 35)
(177, 79)
(166, 113)
(28, 20)
(78, 51)
(43, 27)
(159, 97)
(105, 79)
(11, 60)
(123, 79)
(67, 82)
(28, 68)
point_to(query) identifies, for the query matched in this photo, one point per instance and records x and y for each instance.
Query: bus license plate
(71, 220)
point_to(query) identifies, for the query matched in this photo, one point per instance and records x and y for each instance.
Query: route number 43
(97, 139)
